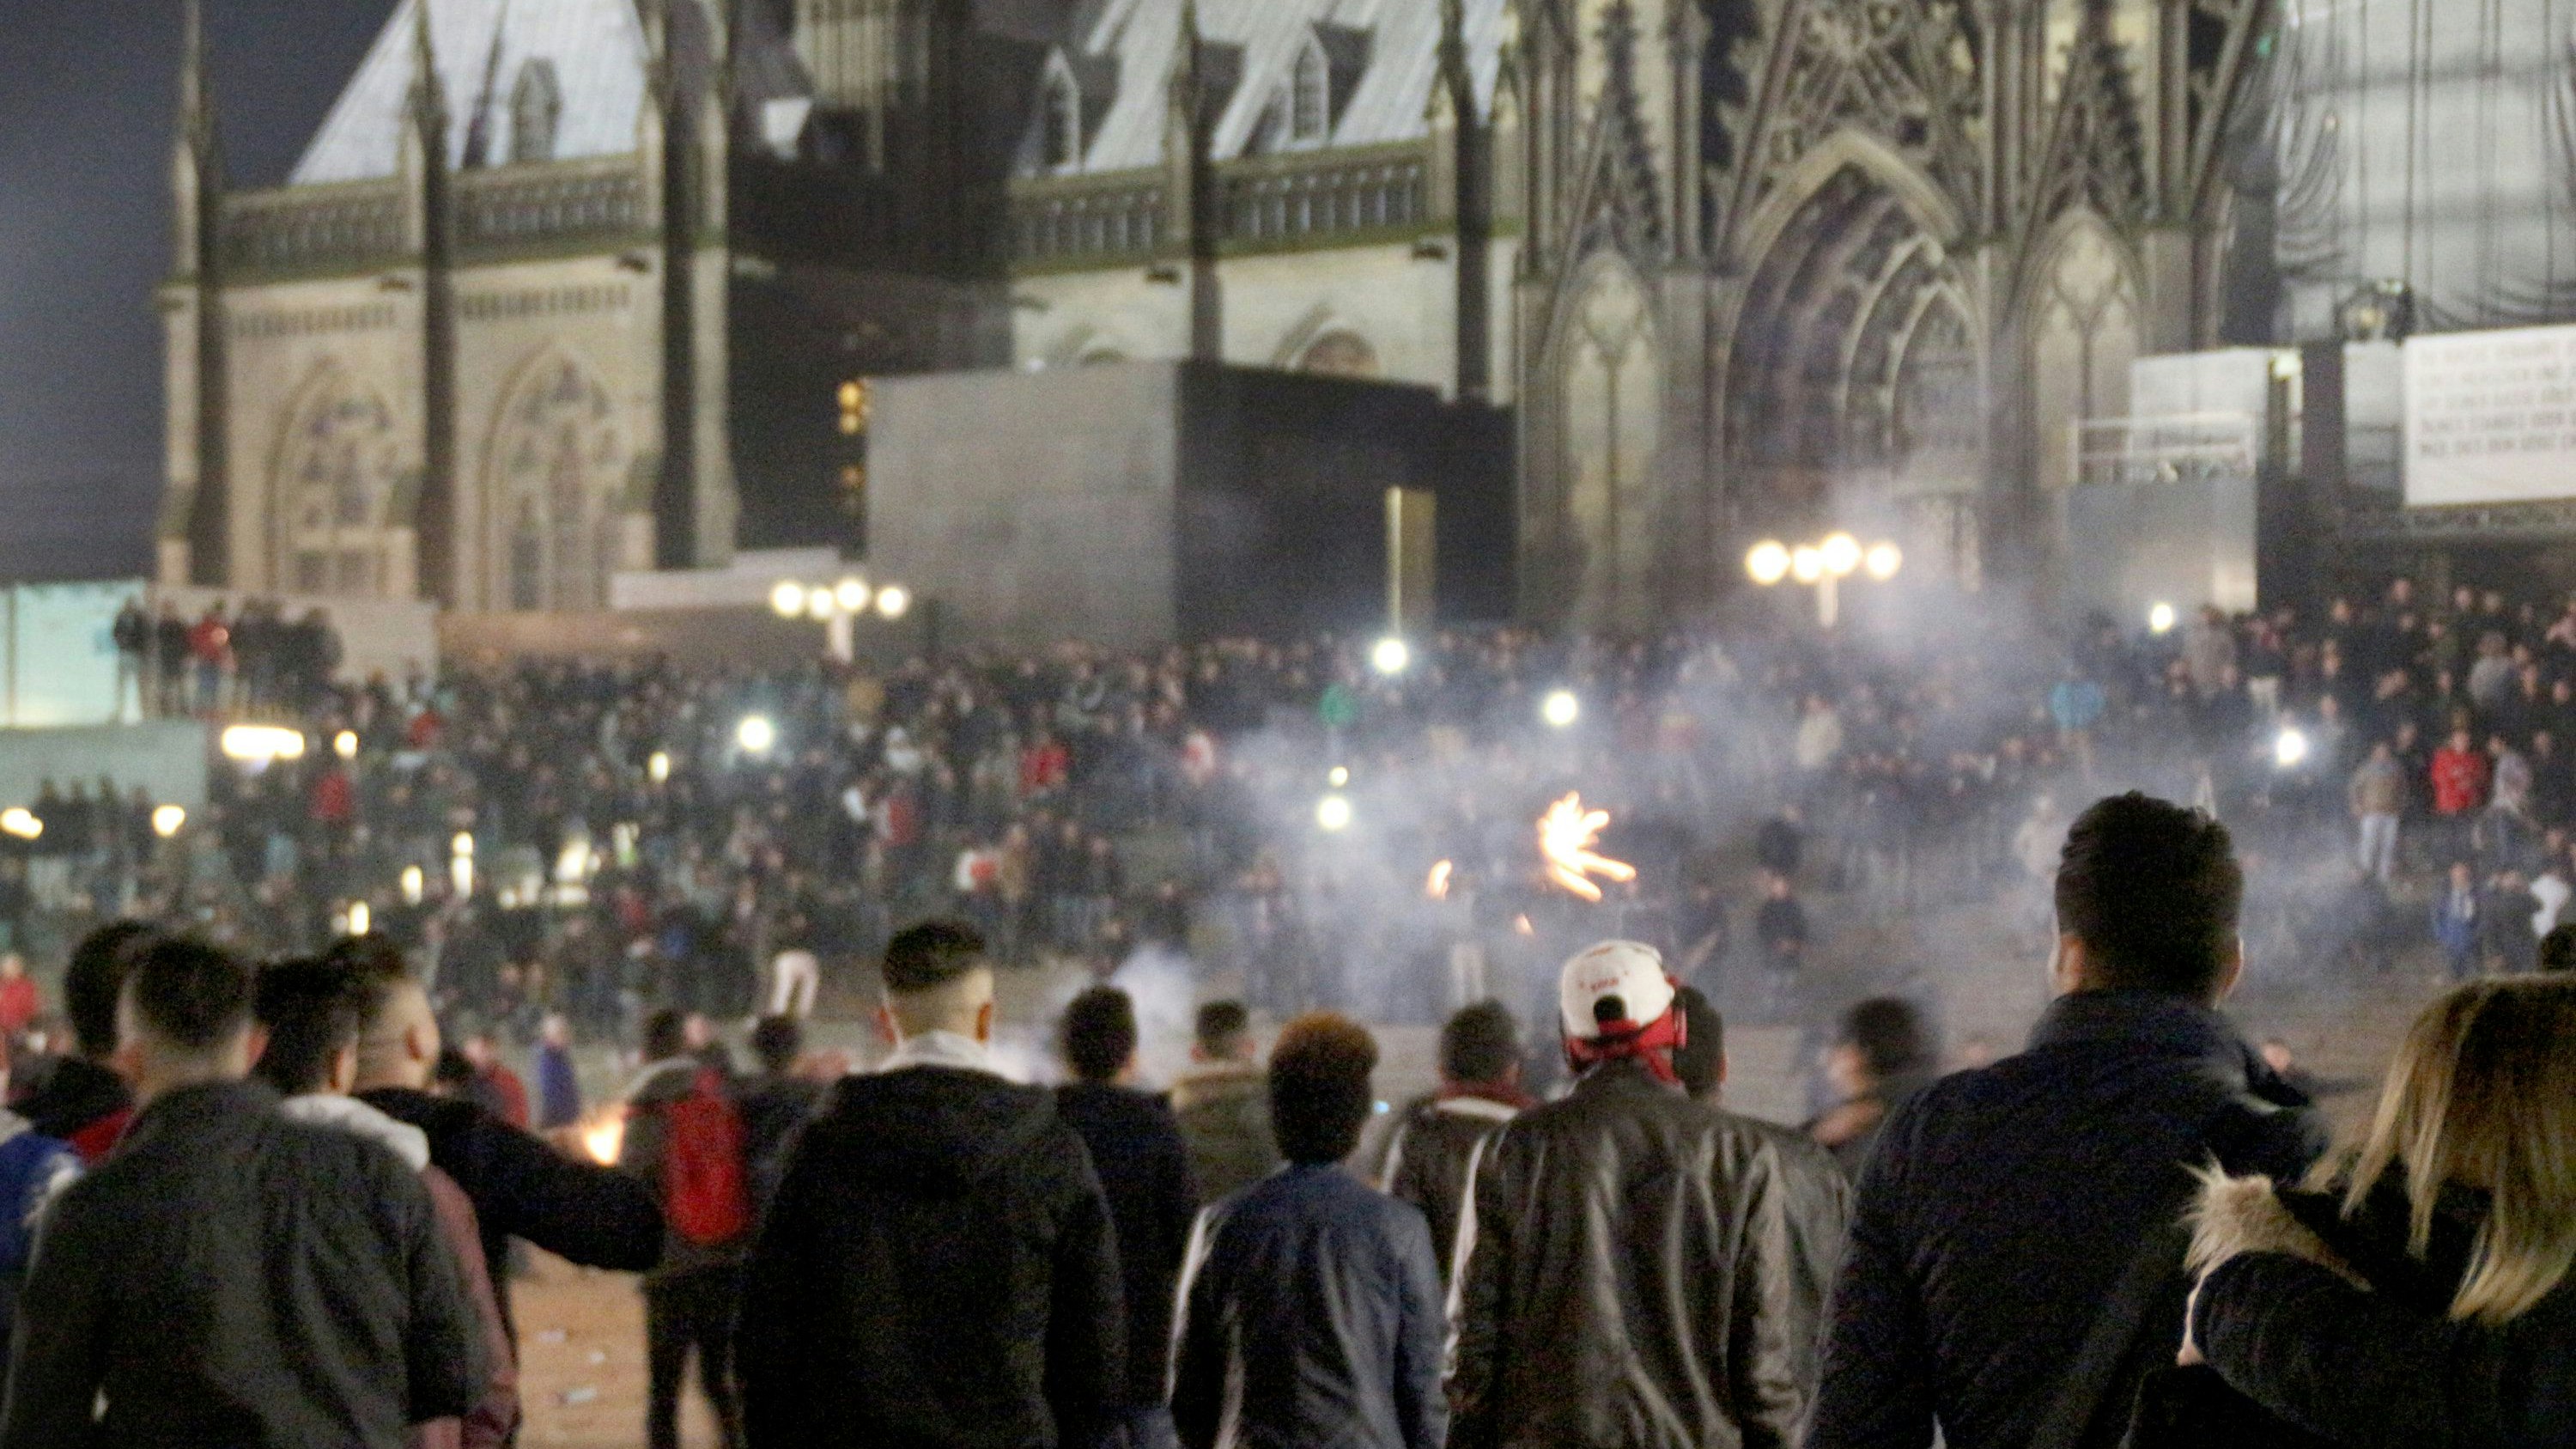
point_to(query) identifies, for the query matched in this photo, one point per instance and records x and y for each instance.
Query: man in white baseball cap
(1627, 1250)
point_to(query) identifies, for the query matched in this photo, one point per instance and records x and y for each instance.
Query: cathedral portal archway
(554, 490)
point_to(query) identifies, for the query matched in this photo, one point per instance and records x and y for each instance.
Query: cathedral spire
(1189, 186)
(196, 90)
(428, 97)
(196, 161)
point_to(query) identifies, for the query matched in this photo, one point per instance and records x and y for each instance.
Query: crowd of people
(252, 1217)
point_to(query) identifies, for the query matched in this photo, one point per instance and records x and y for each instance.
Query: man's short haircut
(1479, 1043)
(452, 1072)
(2558, 949)
(1319, 1087)
(666, 1035)
(931, 955)
(1700, 1061)
(375, 966)
(312, 1008)
(95, 978)
(191, 995)
(1221, 1027)
(1099, 1033)
(777, 1041)
(1888, 1032)
(2153, 891)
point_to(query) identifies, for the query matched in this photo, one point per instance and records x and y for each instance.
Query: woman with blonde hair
(2420, 1293)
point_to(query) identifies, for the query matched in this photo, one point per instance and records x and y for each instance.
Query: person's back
(1629, 1278)
(1437, 1143)
(1222, 1105)
(2003, 1206)
(938, 1266)
(229, 1276)
(1311, 1307)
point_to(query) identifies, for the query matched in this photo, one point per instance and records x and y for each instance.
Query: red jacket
(2459, 781)
(18, 1005)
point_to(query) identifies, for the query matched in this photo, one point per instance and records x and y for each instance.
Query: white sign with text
(2491, 416)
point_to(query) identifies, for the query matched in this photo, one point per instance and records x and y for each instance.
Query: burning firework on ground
(1567, 834)
(1437, 887)
(603, 1138)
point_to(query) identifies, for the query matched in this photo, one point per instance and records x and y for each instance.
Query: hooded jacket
(938, 1268)
(1630, 1280)
(2383, 1366)
(1224, 1112)
(489, 1423)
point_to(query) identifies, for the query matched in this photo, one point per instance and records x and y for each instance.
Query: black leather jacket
(1428, 1156)
(1629, 1286)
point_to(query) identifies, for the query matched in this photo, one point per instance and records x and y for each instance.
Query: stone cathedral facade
(564, 287)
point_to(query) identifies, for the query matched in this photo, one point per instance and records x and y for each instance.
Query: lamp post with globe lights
(838, 606)
(1823, 565)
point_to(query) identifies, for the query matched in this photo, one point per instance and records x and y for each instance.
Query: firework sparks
(603, 1139)
(1437, 887)
(1566, 835)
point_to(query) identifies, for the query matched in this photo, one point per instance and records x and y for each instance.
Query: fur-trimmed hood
(2237, 1215)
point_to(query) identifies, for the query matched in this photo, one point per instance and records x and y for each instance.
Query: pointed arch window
(1310, 95)
(536, 111)
(1063, 123)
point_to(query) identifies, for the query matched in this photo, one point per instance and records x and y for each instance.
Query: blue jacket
(33, 1167)
(2455, 922)
(1311, 1314)
(2003, 1206)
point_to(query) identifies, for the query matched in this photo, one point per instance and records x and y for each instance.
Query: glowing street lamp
(1333, 814)
(168, 820)
(756, 734)
(261, 744)
(2160, 619)
(788, 599)
(657, 766)
(1391, 656)
(360, 918)
(415, 884)
(1560, 709)
(21, 822)
(853, 595)
(345, 744)
(1823, 566)
(2290, 748)
(894, 601)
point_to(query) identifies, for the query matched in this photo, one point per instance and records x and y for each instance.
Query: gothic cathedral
(568, 287)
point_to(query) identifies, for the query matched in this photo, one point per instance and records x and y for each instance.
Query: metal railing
(2166, 448)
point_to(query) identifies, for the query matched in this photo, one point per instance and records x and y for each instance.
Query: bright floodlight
(1882, 561)
(2290, 748)
(462, 847)
(2160, 618)
(657, 766)
(21, 822)
(788, 598)
(755, 734)
(894, 600)
(415, 884)
(260, 744)
(1768, 563)
(167, 820)
(1806, 564)
(1560, 708)
(852, 594)
(1391, 656)
(345, 744)
(1333, 814)
(1841, 554)
(360, 918)
(1338, 776)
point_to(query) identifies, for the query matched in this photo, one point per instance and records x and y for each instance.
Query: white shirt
(940, 1049)
(2552, 892)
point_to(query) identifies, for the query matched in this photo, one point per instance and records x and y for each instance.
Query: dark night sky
(86, 95)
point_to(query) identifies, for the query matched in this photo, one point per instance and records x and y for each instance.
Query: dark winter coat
(232, 1278)
(523, 1188)
(1428, 1157)
(1311, 1315)
(1629, 1282)
(1224, 1112)
(938, 1269)
(2002, 1206)
(1145, 1171)
(2387, 1368)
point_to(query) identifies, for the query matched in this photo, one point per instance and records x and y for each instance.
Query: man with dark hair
(1145, 1170)
(1256, 1361)
(2558, 949)
(2010, 1209)
(310, 1011)
(230, 1276)
(1815, 1193)
(938, 1267)
(1221, 1104)
(1627, 1250)
(82, 1100)
(1881, 1057)
(684, 1141)
(1437, 1139)
(579, 1211)
(775, 1103)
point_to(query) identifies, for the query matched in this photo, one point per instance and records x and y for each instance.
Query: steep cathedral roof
(596, 49)
(1396, 43)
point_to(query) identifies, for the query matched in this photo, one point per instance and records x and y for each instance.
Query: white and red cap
(1615, 989)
